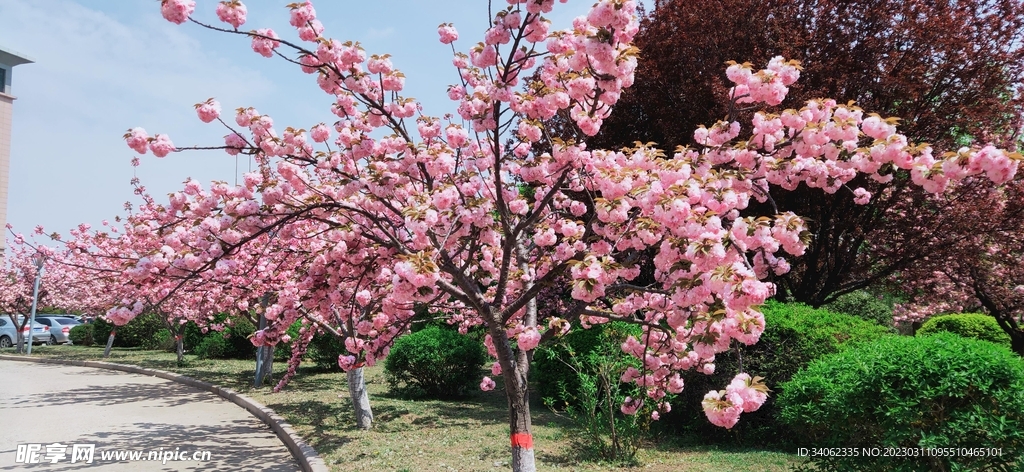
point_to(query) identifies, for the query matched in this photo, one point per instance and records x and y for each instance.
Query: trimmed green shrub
(101, 330)
(938, 391)
(435, 363)
(556, 380)
(234, 340)
(795, 334)
(164, 341)
(241, 345)
(865, 305)
(81, 335)
(141, 332)
(192, 336)
(324, 350)
(213, 346)
(968, 325)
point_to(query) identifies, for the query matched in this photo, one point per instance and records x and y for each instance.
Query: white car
(9, 332)
(60, 327)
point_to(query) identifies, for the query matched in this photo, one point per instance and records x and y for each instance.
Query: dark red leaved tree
(951, 69)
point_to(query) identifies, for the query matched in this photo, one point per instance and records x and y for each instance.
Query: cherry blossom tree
(393, 208)
(18, 272)
(934, 64)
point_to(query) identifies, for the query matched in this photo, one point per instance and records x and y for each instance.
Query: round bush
(864, 305)
(938, 391)
(141, 331)
(239, 339)
(556, 383)
(968, 325)
(164, 341)
(795, 334)
(81, 335)
(213, 346)
(434, 362)
(324, 350)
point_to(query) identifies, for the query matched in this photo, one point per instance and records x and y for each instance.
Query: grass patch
(465, 435)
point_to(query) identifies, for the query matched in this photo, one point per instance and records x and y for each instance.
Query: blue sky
(103, 67)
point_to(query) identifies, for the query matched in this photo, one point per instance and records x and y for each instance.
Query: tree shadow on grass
(332, 423)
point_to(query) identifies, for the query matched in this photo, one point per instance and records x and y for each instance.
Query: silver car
(9, 332)
(60, 326)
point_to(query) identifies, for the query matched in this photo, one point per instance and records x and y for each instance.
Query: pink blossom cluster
(303, 18)
(232, 12)
(769, 85)
(138, 140)
(265, 41)
(208, 110)
(742, 395)
(177, 11)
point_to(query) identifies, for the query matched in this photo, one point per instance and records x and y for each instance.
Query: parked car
(77, 317)
(60, 326)
(9, 332)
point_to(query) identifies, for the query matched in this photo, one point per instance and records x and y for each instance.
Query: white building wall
(6, 112)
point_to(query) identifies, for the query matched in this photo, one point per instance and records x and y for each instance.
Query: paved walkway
(119, 411)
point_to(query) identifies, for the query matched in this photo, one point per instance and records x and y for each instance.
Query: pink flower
(177, 11)
(487, 384)
(448, 33)
(861, 196)
(161, 145)
(301, 14)
(496, 368)
(529, 338)
(752, 391)
(232, 12)
(262, 45)
(723, 409)
(235, 143)
(137, 139)
(363, 297)
(675, 384)
(208, 110)
(311, 31)
(320, 133)
(631, 405)
(346, 362)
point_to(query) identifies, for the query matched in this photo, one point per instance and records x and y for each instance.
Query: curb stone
(307, 457)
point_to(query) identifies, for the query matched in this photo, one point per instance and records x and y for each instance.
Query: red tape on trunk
(523, 440)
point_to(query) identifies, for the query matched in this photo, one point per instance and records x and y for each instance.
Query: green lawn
(468, 435)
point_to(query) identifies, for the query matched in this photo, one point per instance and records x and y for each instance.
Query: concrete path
(118, 411)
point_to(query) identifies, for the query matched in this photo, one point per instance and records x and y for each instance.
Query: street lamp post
(39, 259)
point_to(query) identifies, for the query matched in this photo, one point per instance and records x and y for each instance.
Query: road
(118, 411)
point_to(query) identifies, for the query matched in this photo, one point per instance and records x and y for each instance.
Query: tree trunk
(264, 356)
(110, 343)
(264, 364)
(180, 348)
(514, 369)
(1017, 343)
(360, 398)
(523, 459)
(21, 341)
